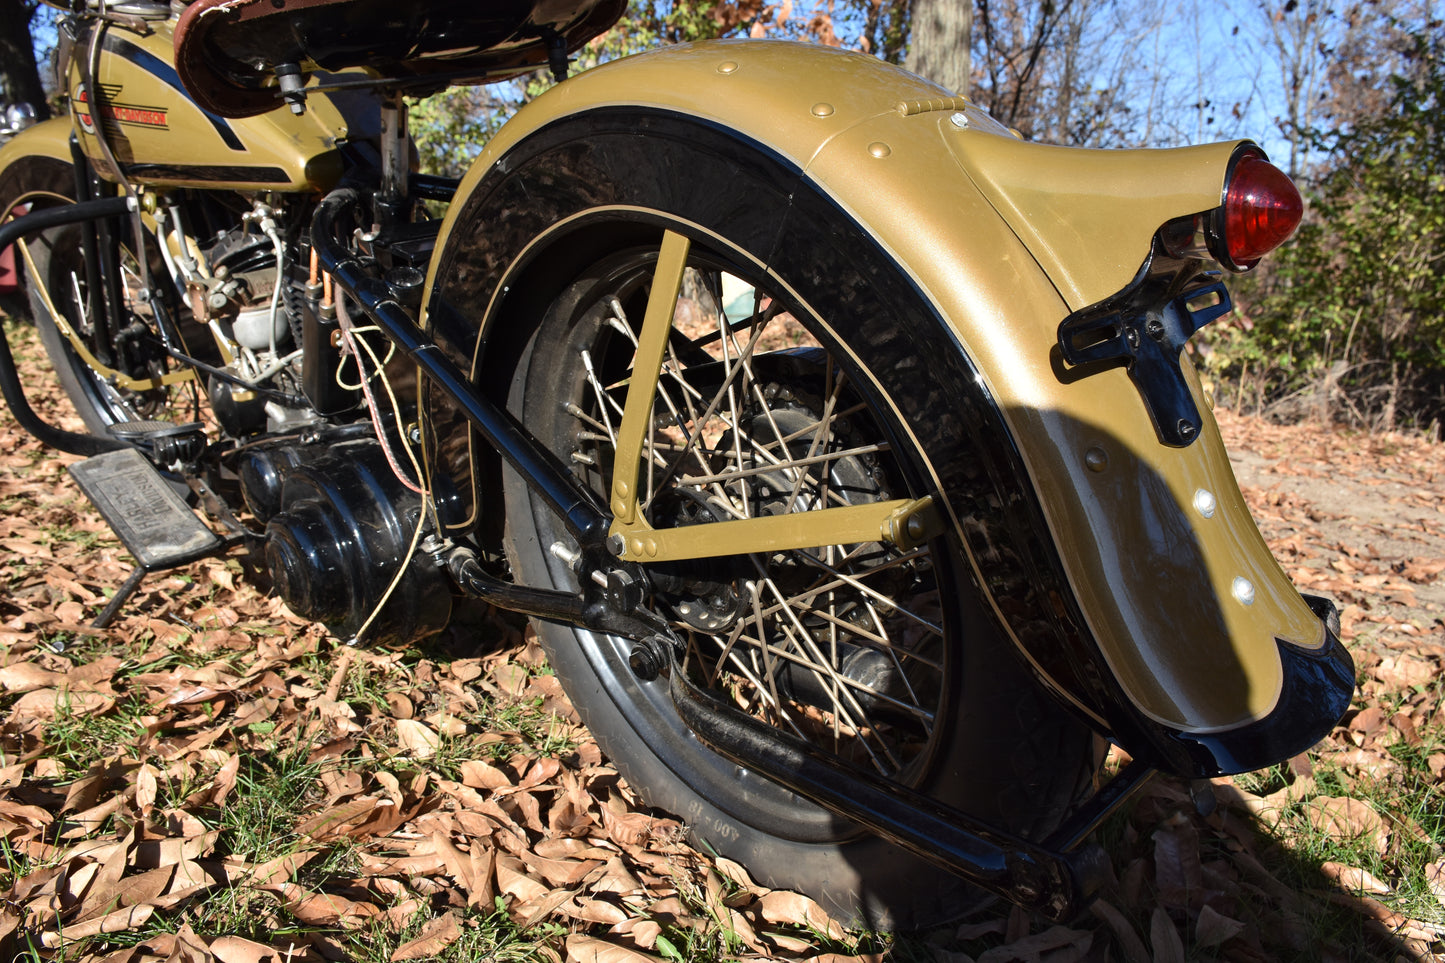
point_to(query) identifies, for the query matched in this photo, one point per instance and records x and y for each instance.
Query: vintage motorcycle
(840, 442)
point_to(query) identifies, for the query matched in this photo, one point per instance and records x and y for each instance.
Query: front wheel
(802, 372)
(116, 380)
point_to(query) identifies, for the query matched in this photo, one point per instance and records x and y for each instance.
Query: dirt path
(1356, 517)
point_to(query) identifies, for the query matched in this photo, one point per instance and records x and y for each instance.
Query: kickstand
(126, 590)
(138, 574)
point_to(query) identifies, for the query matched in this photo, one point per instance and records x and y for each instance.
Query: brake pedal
(146, 514)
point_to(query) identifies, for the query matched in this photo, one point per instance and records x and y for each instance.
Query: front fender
(49, 141)
(1114, 581)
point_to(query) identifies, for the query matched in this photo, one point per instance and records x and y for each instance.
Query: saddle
(229, 52)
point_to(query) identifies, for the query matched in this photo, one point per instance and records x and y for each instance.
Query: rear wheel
(882, 656)
(802, 372)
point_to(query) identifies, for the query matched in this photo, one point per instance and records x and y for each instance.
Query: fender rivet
(822, 110)
(727, 67)
(1243, 590)
(959, 120)
(1096, 459)
(1205, 503)
(879, 149)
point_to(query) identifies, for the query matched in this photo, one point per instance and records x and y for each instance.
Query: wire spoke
(838, 645)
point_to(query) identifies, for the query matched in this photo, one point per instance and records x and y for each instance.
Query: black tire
(59, 262)
(586, 205)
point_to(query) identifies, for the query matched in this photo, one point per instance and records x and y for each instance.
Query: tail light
(1260, 210)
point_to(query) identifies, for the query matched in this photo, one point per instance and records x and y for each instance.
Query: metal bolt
(643, 662)
(616, 544)
(649, 658)
(1187, 428)
(568, 556)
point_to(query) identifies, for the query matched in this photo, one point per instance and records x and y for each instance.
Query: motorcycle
(841, 444)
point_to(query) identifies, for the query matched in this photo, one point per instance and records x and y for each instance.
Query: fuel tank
(159, 135)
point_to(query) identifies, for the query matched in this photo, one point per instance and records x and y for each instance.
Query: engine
(338, 528)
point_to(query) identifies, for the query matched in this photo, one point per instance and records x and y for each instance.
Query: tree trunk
(19, 74)
(938, 42)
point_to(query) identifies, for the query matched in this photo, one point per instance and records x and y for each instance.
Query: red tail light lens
(1261, 209)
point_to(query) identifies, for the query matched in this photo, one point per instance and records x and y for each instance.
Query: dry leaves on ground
(214, 779)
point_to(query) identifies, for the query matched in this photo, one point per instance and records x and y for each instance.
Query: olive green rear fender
(1130, 575)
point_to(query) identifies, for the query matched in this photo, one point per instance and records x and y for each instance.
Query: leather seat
(227, 50)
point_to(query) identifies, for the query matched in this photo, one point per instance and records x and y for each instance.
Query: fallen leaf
(1129, 941)
(417, 738)
(27, 677)
(1435, 879)
(238, 949)
(436, 935)
(589, 949)
(1214, 928)
(1052, 941)
(129, 918)
(1345, 818)
(1164, 938)
(795, 909)
(1353, 878)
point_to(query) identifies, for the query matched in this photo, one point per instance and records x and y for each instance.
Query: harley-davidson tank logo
(131, 115)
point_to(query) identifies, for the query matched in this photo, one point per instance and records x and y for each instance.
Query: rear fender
(1114, 562)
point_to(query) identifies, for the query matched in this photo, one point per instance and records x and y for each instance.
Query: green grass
(493, 937)
(78, 740)
(272, 792)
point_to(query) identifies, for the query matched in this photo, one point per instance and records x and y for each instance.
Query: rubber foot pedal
(146, 514)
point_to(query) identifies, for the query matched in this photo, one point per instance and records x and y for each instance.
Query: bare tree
(1014, 38)
(19, 73)
(939, 42)
(1301, 35)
